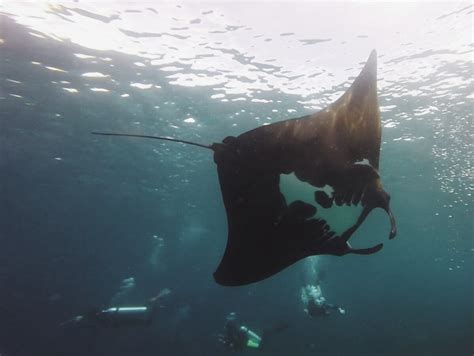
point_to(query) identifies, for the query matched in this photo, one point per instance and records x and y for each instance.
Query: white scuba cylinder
(125, 315)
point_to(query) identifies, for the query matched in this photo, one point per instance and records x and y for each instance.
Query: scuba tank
(253, 340)
(124, 316)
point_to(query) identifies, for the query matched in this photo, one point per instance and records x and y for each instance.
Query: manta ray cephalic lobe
(283, 183)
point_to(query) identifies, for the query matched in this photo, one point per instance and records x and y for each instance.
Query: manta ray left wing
(281, 183)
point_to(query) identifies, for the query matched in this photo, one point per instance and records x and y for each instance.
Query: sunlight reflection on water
(425, 61)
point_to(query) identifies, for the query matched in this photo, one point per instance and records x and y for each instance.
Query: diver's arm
(340, 309)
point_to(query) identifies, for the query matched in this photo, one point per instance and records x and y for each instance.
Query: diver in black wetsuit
(120, 316)
(315, 303)
(323, 309)
(238, 338)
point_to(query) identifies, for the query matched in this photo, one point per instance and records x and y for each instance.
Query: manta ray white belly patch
(339, 218)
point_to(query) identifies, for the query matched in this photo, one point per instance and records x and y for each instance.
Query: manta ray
(287, 187)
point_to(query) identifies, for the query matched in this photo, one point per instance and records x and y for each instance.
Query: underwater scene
(347, 231)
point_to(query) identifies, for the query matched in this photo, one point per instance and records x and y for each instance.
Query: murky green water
(80, 213)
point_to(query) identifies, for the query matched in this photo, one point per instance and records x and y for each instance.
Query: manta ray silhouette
(280, 183)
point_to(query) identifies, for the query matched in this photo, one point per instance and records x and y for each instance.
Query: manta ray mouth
(350, 231)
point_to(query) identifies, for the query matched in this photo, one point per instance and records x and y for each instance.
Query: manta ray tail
(153, 137)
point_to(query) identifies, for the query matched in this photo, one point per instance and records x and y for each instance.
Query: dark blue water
(80, 213)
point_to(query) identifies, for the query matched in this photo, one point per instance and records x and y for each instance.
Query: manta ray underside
(280, 184)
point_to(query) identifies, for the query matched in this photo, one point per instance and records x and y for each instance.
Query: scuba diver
(120, 316)
(315, 303)
(236, 337)
(239, 337)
